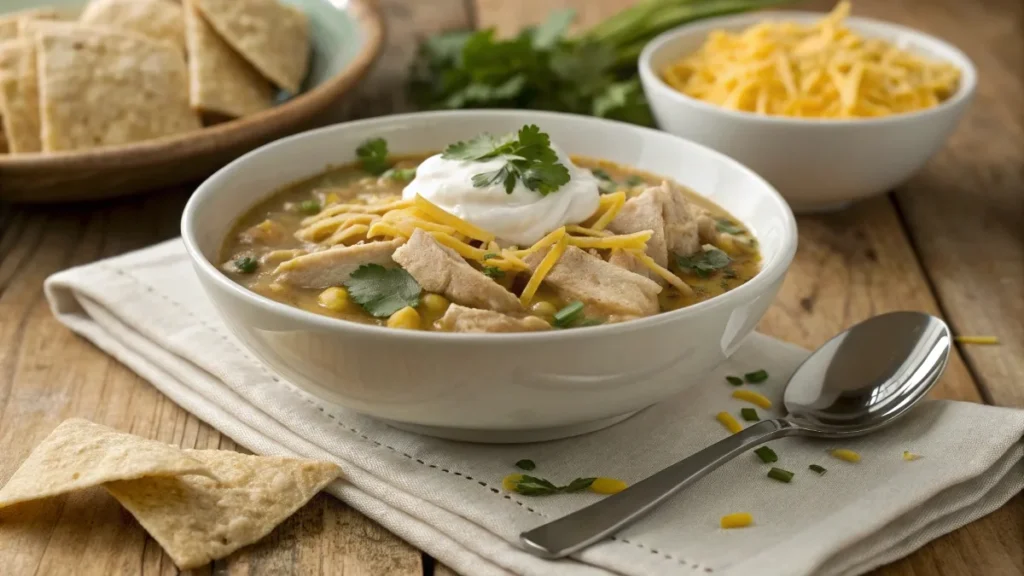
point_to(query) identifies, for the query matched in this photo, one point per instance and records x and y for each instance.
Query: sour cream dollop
(522, 217)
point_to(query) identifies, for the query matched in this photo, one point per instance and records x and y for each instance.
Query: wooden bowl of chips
(116, 97)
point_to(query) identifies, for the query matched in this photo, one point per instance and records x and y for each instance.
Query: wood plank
(966, 209)
(48, 374)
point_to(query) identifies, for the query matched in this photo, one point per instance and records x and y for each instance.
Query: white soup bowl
(817, 164)
(491, 387)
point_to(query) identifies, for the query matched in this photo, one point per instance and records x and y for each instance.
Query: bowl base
(510, 436)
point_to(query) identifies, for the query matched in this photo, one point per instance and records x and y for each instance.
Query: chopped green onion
(526, 465)
(756, 377)
(734, 380)
(818, 469)
(246, 265)
(566, 315)
(749, 414)
(589, 322)
(780, 475)
(766, 454)
(310, 207)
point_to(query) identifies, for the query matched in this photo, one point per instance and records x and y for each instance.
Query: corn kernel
(844, 454)
(407, 319)
(729, 422)
(334, 299)
(510, 482)
(910, 456)
(434, 303)
(607, 486)
(753, 398)
(542, 308)
(737, 520)
(332, 198)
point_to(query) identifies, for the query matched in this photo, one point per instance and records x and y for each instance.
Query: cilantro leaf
(529, 158)
(704, 263)
(494, 272)
(383, 291)
(526, 464)
(373, 156)
(400, 174)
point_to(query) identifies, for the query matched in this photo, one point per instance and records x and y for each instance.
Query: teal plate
(345, 38)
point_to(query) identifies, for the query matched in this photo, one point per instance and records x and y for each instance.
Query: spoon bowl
(858, 382)
(868, 376)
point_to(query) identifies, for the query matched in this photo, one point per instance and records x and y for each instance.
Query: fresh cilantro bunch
(594, 73)
(528, 157)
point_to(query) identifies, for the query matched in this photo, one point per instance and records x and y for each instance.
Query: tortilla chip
(198, 520)
(79, 454)
(19, 96)
(9, 22)
(161, 20)
(272, 36)
(103, 88)
(220, 80)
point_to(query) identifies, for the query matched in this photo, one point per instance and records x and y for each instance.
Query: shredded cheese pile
(393, 217)
(824, 70)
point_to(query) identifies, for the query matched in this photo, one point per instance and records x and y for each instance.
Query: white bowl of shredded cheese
(823, 138)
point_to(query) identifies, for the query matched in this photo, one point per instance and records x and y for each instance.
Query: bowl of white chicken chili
(494, 276)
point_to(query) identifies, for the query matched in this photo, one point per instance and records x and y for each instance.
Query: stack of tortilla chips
(131, 70)
(200, 505)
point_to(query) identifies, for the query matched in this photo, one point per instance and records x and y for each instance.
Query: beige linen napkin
(147, 310)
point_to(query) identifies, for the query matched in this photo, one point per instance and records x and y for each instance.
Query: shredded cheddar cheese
(673, 280)
(729, 422)
(634, 241)
(550, 239)
(349, 233)
(576, 229)
(464, 250)
(440, 216)
(984, 340)
(752, 397)
(737, 520)
(612, 204)
(543, 268)
(376, 208)
(823, 70)
(847, 455)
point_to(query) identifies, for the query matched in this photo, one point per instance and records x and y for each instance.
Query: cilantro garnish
(373, 156)
(400, 174)
(533, 486)
(591, 72)
(528, 157)
(704, 263)
(382, 291)
(634, 180)
(493, 272)
(605, 183)
(727, 226)
(246, 265)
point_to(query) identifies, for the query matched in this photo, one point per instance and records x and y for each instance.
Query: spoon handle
(578, 530)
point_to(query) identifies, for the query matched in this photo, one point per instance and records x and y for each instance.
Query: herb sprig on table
(592, 73)
(528, 157)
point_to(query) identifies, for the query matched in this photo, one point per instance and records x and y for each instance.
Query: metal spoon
(858, 382)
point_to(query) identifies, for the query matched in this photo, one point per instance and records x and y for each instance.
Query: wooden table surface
(949, 242)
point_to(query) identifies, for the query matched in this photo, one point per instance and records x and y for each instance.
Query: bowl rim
(768, 275)
(296, 109)
(653, 81)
